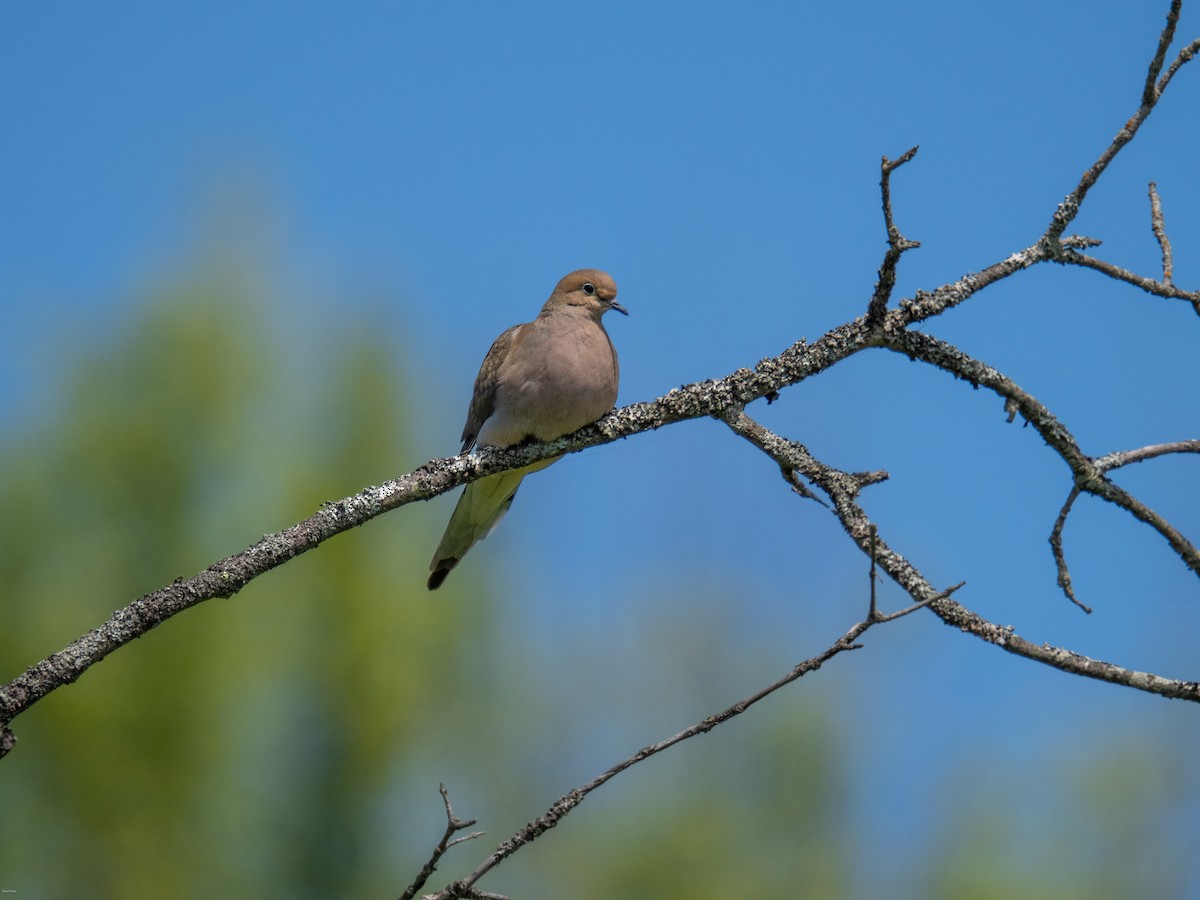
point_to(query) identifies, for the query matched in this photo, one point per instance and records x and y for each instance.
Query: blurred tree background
(289, 742)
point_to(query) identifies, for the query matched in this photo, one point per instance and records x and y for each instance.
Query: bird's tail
(482, 504)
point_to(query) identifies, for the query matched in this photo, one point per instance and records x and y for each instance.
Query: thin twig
(1150, 91)
(1149, 285)
(1185, 56)
(568, 801)
(792, 477)
(453, 825)
(1104, 464)
(897, 243)
(1068, 209)
(920, 604)
(1160, 234)
(1056, 548)
(1120, 458)
(871, 578)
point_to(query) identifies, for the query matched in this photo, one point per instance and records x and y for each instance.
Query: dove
(540, 380)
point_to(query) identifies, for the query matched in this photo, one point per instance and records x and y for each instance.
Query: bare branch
(453, 825)
(1186, 55)
(1150, 92)
(795, 457)
(1164, 288)
(1160, 234)
(921, 604)
(1149, 285)
(568, 801)
(1121, 458)
(862, 531)
(720, 398)
(938, 353)
(872, 578)
(1068, 209)
(926, 304)
(897, 243)
(1056, 548)
(792, 477)
(1088, 476)
(228, 576)
(1104, 464)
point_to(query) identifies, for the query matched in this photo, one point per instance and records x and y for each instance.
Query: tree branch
(897, 243)
(574, 797)
(722, 398)
(1088, 476)
(1068, 209)
(1056, 548)
(453, 825)
(1149, 285)
(1104, 464)
(863, 532)
(1151, 92)
(1158, 226)
(1127, 457)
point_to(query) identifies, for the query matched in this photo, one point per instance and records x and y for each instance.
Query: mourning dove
(541, 380)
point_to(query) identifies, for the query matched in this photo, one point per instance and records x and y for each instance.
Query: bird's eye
(589, 288)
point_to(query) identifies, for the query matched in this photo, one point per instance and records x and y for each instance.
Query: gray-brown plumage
(542, 379)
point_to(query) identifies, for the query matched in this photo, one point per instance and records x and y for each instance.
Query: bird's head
(592, 290)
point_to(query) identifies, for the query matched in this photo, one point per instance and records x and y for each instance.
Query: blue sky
(722, 164)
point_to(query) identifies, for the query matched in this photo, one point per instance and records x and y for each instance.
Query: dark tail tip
(439, 574)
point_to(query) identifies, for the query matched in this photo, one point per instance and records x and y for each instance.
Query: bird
(540, 380)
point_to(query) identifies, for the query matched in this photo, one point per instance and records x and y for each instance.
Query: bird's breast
(574, 384)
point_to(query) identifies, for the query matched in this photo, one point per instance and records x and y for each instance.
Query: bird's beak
(613, 304)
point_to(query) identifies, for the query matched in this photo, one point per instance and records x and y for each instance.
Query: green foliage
(749, 813)
(1107, 836)
(235, 751)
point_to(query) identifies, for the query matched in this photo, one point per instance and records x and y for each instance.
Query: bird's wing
(483, 401)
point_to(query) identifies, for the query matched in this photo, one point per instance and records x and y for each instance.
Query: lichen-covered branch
(1060, 556)
(898, 244)
(1105, 463)
(1152, 92)
(719, 398)
(1159, 227)
(842, 488)
(1088, 476)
